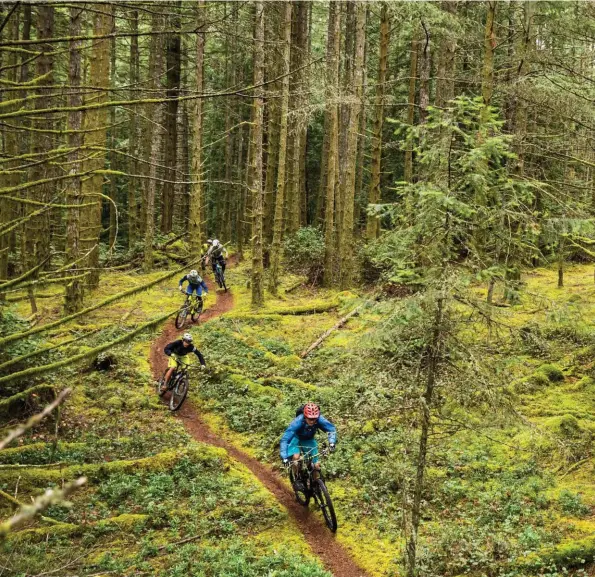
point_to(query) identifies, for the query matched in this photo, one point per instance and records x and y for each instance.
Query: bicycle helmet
(311, 411)
(216, 243)
(187, 337)
(194, 276)
(209, 241)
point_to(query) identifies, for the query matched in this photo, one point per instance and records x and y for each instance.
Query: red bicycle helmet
(311, 411)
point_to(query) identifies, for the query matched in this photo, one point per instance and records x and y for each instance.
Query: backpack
(300, 411)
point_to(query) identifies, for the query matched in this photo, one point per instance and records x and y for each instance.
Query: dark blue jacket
(201, 286)
(300, 429)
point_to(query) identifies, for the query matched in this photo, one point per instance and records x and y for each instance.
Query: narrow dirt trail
(333, 556)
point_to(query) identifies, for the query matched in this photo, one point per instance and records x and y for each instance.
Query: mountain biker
(195, 283)
(215, 254)
(177, 350)
(299, 436)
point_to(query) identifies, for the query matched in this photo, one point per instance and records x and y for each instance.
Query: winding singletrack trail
(323, 543)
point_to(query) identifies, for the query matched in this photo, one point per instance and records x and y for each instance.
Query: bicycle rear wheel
(160, 383)
(178, 393)
(181, 317)
(323, 499)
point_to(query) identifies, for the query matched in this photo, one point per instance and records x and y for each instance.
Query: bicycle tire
(178, 393)
(195, 315)
(303, 498)
(322, 497)
(181, 317)
(160, 382)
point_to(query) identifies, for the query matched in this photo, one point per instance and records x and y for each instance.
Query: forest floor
(508, 493)
(334, 557)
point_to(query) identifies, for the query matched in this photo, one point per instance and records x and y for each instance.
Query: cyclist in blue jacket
(299, 437)
(195, 283)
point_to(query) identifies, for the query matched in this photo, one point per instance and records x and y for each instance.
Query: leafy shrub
(304, 253)
(572, 503)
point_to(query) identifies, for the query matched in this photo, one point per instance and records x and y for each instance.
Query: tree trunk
(154, 138)
(424, 75)
(332, 112)
(487, 74)
(96, 119)
(408, 169)
(280, 199)
(173, 67)
(73, 301)
(134, 135)
(348, 192)
(257, 192)
(446, 60)
(373, 224)
(37, 230)
(195, 226)
(113, 205)
(426, 402)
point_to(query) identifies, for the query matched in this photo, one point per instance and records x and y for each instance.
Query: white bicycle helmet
(216, 243)
(187, 337)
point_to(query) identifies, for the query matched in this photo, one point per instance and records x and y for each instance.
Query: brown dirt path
(324, 544)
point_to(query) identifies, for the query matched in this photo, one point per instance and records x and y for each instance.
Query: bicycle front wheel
(181, 318)
(178, 393)
(302, 497)
(196, 312)
(324, 501)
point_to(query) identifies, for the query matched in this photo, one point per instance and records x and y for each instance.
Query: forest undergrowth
(509, 492)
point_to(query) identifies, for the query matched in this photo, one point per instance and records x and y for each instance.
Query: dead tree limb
(328, 333)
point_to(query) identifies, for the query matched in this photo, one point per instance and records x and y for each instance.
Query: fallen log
(328, 333)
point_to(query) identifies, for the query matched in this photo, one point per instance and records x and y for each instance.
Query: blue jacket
(200, 287)
(300, 429)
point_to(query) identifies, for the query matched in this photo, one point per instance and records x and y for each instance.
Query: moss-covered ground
(509, 493)
(156, 502)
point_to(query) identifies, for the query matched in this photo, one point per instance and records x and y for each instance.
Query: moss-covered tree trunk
(408, 169)
(74, 289)
(276, 250)
(373, 224)
(155, 140)
(36, 245)
(113, 157)
(195, 224)
(348, 193)
(173, 74)
(95, 122)
(256, 185)
(134, 135)
(332, 112)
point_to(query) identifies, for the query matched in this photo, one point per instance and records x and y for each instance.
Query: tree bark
(74, 290)
(373, 224)
(96, 119)
(154, 138)
(348, 192)
(195, 224)
(113, 157)
(173, 74)
(134, 136)
(408, 169)
(332, 112)
(280, 199)
(256, 188)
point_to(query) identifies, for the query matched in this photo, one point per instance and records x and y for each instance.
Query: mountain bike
(178, 384)
(192, 306)
(314, 486)
(219, 276)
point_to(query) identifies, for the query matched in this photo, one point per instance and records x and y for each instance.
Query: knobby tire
(324, 501)
(302, 498)
(181, 317)
(178, 392)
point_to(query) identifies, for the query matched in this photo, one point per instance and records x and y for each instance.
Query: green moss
(254, 388)
(32, 479)
(571, 553)
(277, 381)
(586, 384)
(552, 372)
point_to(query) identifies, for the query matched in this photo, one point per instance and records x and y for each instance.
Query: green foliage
(572, 503)
(304, 253)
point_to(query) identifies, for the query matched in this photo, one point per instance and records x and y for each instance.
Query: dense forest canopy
(422, 173)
